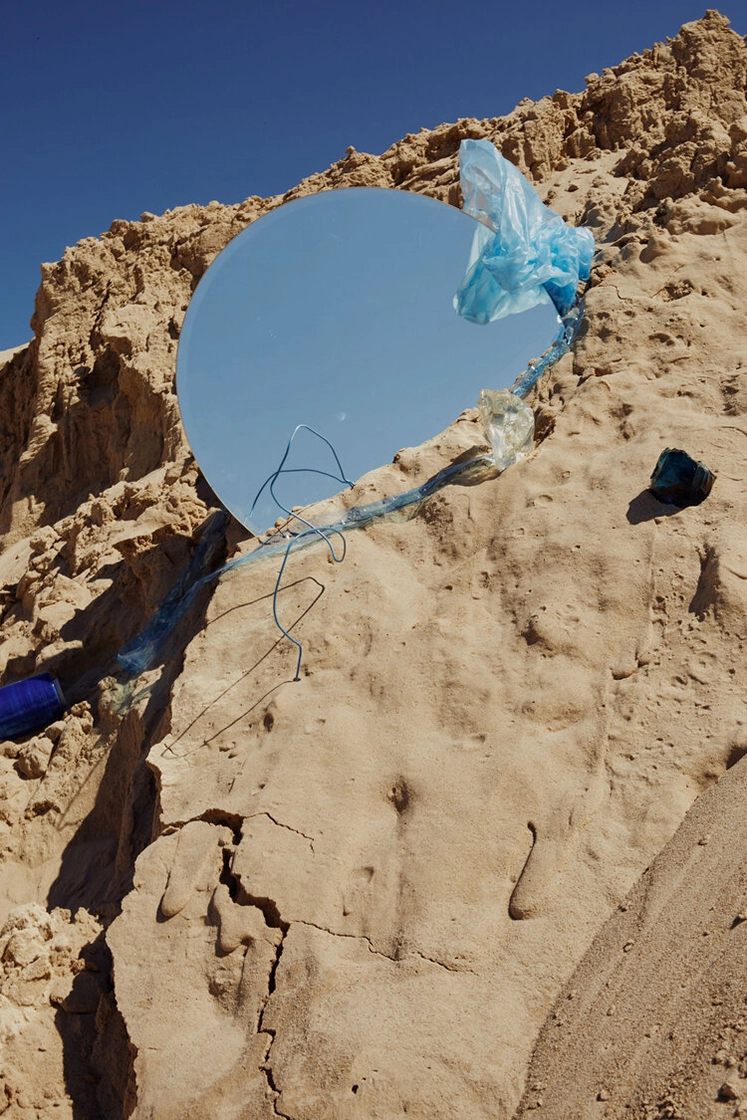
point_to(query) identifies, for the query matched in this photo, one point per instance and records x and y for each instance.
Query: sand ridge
(361, 894)
(653, 1022)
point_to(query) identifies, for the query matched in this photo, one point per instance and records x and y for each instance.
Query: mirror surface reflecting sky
(335, 311)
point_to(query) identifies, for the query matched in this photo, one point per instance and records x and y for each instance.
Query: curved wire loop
(282, 469)
(141, 652)
(311, 530)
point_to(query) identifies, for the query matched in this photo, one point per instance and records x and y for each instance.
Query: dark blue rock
(679, 480)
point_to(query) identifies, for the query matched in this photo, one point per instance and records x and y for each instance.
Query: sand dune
(653, 1022)
(373, 892)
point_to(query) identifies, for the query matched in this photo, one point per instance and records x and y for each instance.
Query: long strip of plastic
(530, 256)
(143, 651)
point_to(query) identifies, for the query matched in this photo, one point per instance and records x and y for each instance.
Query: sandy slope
(360, 894)
(653, 1023)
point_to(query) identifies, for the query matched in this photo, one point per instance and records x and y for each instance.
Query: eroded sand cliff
(228, 895)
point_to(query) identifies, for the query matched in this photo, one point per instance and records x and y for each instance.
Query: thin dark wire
(138, 654)
(170, 747)
(310, 530)
(282, 469)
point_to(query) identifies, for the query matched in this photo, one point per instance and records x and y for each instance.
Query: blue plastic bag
(522, 252)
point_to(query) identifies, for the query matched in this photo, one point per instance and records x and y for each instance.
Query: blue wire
(313, 531)
(309, 531)
(282, 469)
(141, 651)
(560, 345)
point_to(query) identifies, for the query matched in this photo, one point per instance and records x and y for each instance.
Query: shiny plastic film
(144, 650)
(522, 252)
(508, 423)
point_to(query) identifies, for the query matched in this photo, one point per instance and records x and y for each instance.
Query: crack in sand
(266, 1069)
(443, 964)
(235, 822)
(217, 817)
(378, 952)
(276, 922)
(611, 285)
(280, 824)
(266, 1066)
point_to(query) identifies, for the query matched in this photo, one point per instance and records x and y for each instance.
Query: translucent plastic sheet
(144, 650)
(522, 253)
(508, 424)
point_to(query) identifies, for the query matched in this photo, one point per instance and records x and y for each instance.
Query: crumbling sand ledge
(361, 894)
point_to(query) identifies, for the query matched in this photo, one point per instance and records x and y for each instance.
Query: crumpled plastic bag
(522, 253)
(508, 423)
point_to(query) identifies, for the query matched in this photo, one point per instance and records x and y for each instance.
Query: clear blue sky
(109, 109)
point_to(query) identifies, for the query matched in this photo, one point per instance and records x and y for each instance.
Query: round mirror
(335, 311)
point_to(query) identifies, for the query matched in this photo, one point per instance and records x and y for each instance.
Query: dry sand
(372, 892)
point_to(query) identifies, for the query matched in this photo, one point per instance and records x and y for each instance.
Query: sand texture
(654, 1022)
(486, 858)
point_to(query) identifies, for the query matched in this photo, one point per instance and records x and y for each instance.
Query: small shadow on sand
(645, 507)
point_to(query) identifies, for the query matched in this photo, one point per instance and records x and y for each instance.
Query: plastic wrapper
(522, 253)
(508, 424)
(143, 650)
